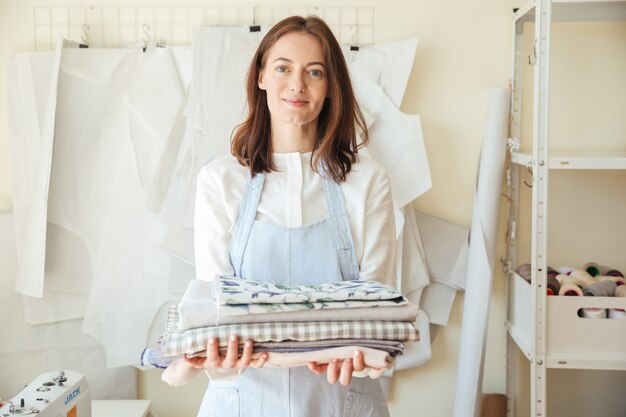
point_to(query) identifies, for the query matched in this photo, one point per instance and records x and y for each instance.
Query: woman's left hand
(339, 369)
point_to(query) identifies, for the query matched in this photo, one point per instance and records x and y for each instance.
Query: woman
(296, 205)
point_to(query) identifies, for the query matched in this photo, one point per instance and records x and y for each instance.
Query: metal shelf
(576, 11)
(574, 162)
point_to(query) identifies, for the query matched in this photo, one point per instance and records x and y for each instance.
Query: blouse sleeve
(379, 235)
(211, 228)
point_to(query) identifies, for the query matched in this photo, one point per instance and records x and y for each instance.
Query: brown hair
(336, 141)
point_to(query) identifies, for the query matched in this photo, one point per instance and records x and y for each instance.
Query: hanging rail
(114, 26)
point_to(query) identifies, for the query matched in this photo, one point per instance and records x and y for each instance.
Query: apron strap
(338, 217)
(245, 220)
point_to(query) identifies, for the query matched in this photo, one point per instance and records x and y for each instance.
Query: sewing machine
(53, 394)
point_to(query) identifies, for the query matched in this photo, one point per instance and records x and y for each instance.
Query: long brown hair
(336, 142)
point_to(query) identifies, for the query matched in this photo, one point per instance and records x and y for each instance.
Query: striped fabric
(176, 342)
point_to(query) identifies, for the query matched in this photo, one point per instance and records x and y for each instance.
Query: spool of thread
(583, 278)
(553, 285)
(618, 313)
(594, 313)
(552, 272)
(604, 288)
(565, 270)
(617, 280)
(613, 273)
(592, 268)
(570, 288)
(524, 271)
(620, 291)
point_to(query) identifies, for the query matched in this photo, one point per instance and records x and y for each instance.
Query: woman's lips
(295, 102)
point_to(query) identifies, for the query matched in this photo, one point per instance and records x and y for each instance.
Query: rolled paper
(616, 279)
(592, 268)
(568, 287)
(553, 285)
(613, 273)
(524, 271)
(604, 288)
(616, 313)
(594, 313)
(565, 270)
(620, 291)
(583, 278)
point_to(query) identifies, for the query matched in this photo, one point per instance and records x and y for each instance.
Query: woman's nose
(297, 84)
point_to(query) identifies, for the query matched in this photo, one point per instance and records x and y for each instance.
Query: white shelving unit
(547, 329)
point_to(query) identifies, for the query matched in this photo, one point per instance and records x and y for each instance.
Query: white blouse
(293, 197)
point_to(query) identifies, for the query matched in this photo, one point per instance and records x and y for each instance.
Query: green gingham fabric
(176, 342)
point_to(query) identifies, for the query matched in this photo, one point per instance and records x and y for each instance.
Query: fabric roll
(482, 255)
(604, 288)
(552, 272)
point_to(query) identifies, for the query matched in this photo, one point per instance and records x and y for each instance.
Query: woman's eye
(316, 73)
(281, 68)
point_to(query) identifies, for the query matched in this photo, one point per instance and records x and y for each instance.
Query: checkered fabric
(176, 342)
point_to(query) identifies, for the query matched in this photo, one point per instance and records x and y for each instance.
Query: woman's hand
(339, 369)
(231, 360)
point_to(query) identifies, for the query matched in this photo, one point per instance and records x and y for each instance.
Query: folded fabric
(176, 342)
(376, 362)
(198, 308)
(242, 291)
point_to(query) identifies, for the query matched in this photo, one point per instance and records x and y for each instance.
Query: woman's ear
(260, 81)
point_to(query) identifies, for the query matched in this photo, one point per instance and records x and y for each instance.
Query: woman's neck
(289, 137)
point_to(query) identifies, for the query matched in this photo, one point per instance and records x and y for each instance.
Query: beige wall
(464, 49)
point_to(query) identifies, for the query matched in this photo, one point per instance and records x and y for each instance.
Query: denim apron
(308, 255)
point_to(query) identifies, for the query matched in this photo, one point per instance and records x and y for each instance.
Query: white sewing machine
(53, 394)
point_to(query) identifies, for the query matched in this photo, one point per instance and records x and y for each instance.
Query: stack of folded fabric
(293, 324)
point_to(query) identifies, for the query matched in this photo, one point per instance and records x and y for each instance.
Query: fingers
(332, 371)
(345, 375)
(358, 362)
(317, 368)
(258, 363)
(213, 358)
(232, 352)
(246, 355)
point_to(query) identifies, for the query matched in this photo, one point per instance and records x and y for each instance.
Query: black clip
(255, 28)
(354, 48)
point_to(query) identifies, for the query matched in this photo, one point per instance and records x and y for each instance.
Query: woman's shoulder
(223, 168)
(366, 169)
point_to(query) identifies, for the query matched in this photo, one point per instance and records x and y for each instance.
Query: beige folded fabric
(376, 362)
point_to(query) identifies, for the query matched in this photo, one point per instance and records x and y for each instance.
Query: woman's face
(294, 78)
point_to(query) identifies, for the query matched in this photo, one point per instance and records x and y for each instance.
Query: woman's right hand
(231, 360)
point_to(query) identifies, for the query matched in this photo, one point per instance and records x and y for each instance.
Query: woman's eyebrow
(291, 62)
